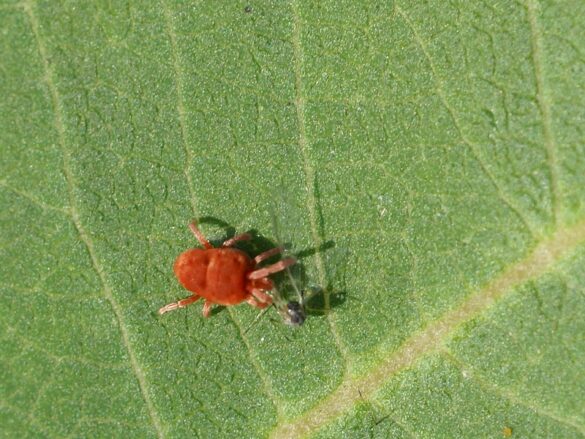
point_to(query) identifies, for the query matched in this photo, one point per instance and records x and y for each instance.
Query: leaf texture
(428, 164)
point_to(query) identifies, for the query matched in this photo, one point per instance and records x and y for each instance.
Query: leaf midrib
(430, 339)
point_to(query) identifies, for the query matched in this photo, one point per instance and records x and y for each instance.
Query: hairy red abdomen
(216, 274)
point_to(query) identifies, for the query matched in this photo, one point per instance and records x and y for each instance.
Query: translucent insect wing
(287, 226)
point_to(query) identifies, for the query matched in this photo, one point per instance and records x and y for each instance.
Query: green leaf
(427, 161)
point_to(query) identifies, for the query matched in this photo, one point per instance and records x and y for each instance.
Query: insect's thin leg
(207, 308)
(204, 242)
(261, 296)
(260, 314)
(277, 298)
(180, 304)
(274, 268)
(237, 238)
(255, 303)
(267, 254)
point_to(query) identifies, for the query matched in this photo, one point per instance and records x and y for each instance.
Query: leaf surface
(428, 161)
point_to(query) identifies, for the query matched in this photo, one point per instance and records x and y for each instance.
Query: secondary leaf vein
(543, 100)
(266, 383)
(472, 146)
(179, 81)
(34, 200)
(482, 382)
(309, 171)
(180, 101)
(28, 7)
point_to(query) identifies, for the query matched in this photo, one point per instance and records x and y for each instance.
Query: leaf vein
(543, 100)
(34, 200)
(29, 7)
(309, 171)
(485, 384)
(432, 337)
(472, 146)
(188, 159)
(180, 101)
(266, 383)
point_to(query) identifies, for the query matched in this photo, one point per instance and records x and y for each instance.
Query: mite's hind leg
(207, 308)
(255, 303)
(180, 304)
(237, 238)
(261, 296)
(262, 256)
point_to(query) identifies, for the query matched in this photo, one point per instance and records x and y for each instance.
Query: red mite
(225, 276)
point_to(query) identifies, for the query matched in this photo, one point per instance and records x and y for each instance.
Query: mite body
(225, 276)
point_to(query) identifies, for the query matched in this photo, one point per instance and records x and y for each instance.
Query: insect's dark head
(295, 313)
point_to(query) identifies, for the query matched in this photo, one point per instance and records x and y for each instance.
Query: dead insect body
(225, 276)
(293, 312)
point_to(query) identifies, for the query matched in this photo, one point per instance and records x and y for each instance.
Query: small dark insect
(293, 312)
(291, 309)
(248, 9)
(225, 276)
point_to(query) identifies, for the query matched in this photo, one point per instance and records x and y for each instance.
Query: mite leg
(207, 308)
(254, 302)
(264, 284)
(267, 254)
(180, 304)
(204, 242)
(232, 241)
(261, 296)
(274, 268)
